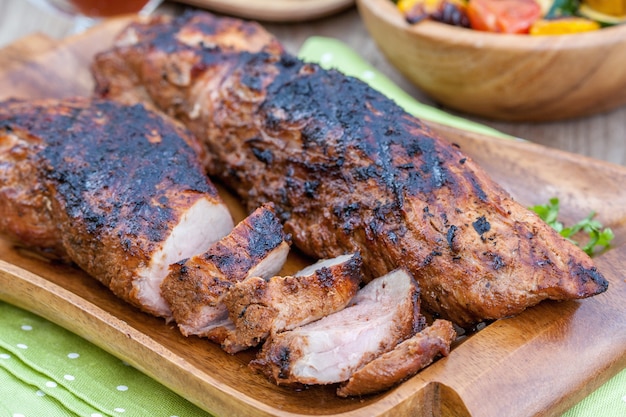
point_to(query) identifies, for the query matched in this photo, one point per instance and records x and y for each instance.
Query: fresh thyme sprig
(597, 234)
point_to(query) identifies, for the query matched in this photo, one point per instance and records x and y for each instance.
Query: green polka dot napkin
(47, 371)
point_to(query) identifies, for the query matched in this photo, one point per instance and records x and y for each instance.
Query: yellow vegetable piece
(603, 18)
(406, 5)
(563, 26)
(611, 7)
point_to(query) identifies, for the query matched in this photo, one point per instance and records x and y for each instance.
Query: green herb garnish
(597, 235)
(563, 8)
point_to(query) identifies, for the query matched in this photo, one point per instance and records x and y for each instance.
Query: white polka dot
(96, 415)
(5, 356)
(51, 384)
(73, 355)
(624, 398)
(368, 75)
(18, 415)
(122, 388)
(27, 327)
(22, 346)
(119, 410)
(326, 58)
(40, 393)
(69, 377)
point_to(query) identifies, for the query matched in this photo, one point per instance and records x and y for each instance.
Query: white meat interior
(203, 224)
(337, 345)
(310, 269)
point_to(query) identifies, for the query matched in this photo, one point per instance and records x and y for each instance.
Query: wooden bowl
(500, 76)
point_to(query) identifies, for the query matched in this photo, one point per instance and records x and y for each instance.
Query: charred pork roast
(347, 169)
(120, 191)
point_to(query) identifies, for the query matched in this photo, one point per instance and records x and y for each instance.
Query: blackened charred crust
(259, 233)
(266, 232)
(494, 260)
(450, 238)
(282, 360)
(80, 134)
(264, 155)
(326, 278)
(378, 137)
(277, 359)
(590, 278)
(481, 225)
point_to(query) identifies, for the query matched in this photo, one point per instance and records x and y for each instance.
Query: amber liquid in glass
(107, 8)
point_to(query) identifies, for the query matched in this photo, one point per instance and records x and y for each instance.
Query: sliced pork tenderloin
(404, 361)
(382, 314)
(259, 307)
(194, 288)
(128, 195)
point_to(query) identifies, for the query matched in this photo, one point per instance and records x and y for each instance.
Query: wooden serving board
(274, 10)
(539, 363)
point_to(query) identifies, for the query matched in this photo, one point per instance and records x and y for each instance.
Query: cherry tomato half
(505, 16)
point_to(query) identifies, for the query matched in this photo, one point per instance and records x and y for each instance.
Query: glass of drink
(85, 13)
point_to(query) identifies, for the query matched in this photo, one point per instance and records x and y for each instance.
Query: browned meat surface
(195, 287)
(127, 194)
(404, 361)
(147, 81)
(258, 307)
(347, 169)
(25, 217)
(382, 314)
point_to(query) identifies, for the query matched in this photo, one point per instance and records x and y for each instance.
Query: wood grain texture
(274, 10)
(537, 364)
(505, 77)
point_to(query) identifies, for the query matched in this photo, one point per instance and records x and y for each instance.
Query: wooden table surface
(601, 136)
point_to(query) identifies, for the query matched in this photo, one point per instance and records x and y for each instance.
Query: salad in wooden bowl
(482, 61)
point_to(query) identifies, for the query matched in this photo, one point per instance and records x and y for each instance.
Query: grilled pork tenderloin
(195, 288)
(382, 314)
(259, 307)
(404, 361)
(125, 192)
(347, 168)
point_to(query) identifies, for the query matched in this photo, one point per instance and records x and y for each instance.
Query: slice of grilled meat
(259, 307)
(127, 193)
(404, 361)
(347, 168)
(382, 314)
(195, 288)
